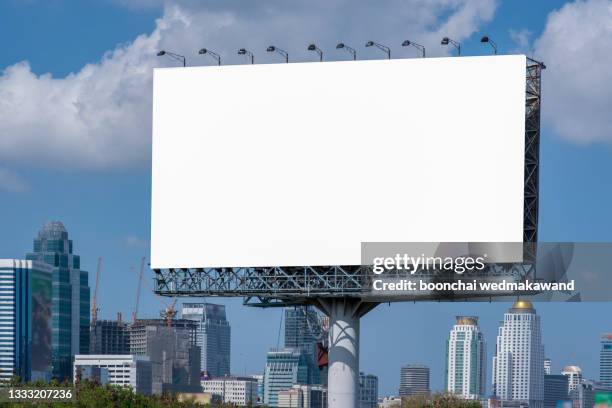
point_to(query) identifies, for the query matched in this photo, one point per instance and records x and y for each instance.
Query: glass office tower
(213, 336)
(301, 328)
(25, 320)
(70, 296)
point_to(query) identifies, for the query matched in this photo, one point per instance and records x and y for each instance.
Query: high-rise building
(302, 326)
(583, 396)
(25, 320)
(605, 361)
(466, 353)
(518, 365)
(139, 338)
(172, 350)
(414, 380)
(303, 396)
(213, 336)
(260, 387)
(109, 337)
(240, 391)
(368, 391)
(121, 370)
(547, 366)
(284, 369)
(555, 390)
(70, 311)
(574, 377)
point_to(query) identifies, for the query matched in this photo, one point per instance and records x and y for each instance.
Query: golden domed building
(466, 353)
(518, 364)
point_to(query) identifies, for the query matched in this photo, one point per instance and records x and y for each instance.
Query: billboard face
(297, 164)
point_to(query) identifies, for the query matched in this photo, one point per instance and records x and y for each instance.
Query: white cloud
(99, 116)
(132, 241)
(522, 39)
(12, 182)
(577, 84)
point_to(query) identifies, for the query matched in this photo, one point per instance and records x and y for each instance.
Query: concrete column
(343, 370)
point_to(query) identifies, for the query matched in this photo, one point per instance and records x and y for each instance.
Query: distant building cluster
(522, 376)
(46, 332)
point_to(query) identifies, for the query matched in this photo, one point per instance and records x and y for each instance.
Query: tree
(439, 400)
(93, 395)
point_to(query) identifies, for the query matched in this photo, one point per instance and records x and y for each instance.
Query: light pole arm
(456, 45)
(176, 57)
(384, 48)
(216, 56)
(283, 53)
(352, 51)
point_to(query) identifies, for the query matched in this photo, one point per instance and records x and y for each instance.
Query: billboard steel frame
(285, 286)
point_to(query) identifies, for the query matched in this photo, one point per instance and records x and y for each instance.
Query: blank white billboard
(297, 164)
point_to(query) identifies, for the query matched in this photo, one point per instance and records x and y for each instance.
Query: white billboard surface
(297, 164)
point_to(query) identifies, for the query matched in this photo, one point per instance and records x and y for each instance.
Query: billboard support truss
(286, 286)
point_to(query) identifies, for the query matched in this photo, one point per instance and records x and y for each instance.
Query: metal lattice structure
(285, 286)
(532, 149)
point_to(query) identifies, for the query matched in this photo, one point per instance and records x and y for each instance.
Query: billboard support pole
(343, 369)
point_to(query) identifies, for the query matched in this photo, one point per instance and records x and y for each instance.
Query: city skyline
(389, 381)
(102, 191)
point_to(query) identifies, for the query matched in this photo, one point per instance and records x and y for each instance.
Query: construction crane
(135, 312)
(169, 313)
(94, 303)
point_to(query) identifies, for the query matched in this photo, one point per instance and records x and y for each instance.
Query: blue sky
(57, 165)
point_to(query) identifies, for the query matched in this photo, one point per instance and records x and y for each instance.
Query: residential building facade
(121, 370)
(547, 366)
(466, 353)
(303, 396)
(260, 387)
(574, 377)
(518, 364)
(241, 391)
